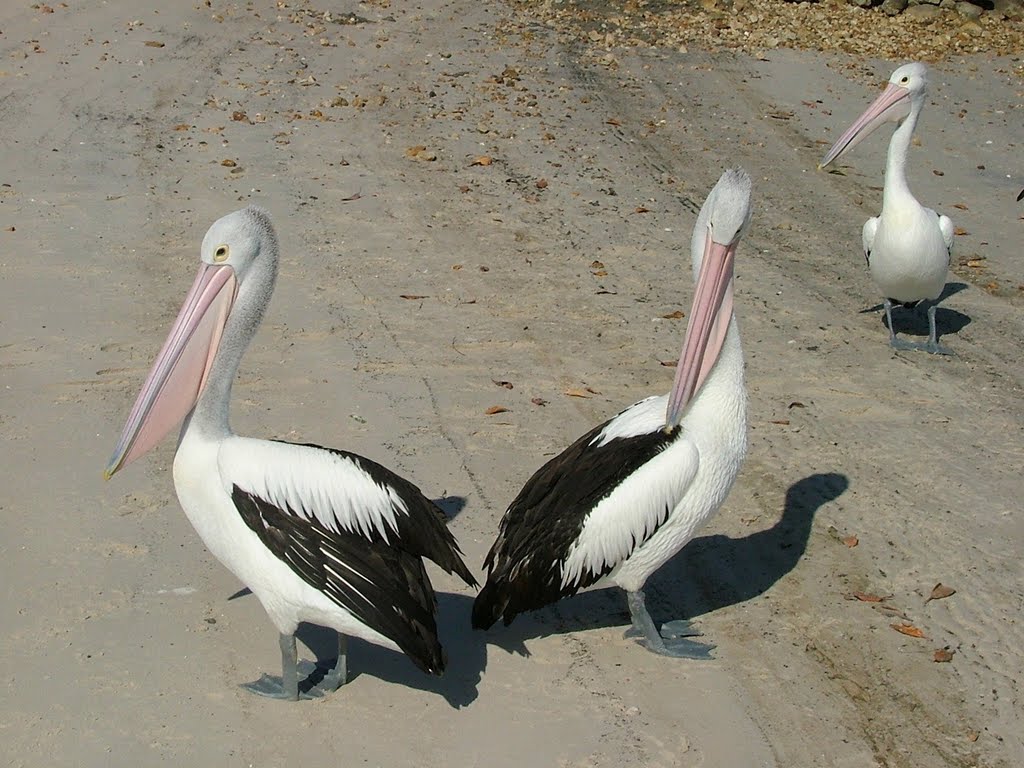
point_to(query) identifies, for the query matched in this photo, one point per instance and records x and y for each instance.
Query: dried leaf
(908, 629)
(613, 121)
(595, 264)
(976, 263)
(239, 116)
(938, 172)
(182, 127)
(412, 296)
(495, 409)
(781, 422)
(482, 160)
(542, 183)
(641, 209)
(942, 655)
(851, 541)
(353, 196)
(960, 231)
(677, 315)
(867, 597)
(972, 736)
(584, 392)
(228, 163)
(796, 404)
(505, 384)
(940, 591)
(464, 189)
(960, 206)
(538, 401)
(154, 44)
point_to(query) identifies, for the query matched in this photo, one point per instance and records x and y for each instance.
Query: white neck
(210, 417)
(896, 190)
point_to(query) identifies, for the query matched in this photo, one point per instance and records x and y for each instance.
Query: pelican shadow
(711, 572)
(914, 322)
(466, 651)
(451, 506)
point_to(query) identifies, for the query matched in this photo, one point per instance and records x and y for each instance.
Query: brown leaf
(352, 197)
(228, 163)
(942, 655)
(182, 127)
(595, 264)
(908, 629)
(482, 160)
(154, 44)
(456, 267)
(976, 263)
(584, 392)
(960, 206)
(613, 121)
(464, 188)
(677, 315)
(538, 401)
(938, 172)
(960, 231)
(781, 422)
(972, 736)
(851, 541)
(412, 296)
(505, 384)
(940, 591)
(239, 116)
(796, 404)
(641, 209)
(495, 409)
(867, 597)
(542, 183)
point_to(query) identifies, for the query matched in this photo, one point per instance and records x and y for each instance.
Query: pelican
(908, 246)
(630, 493)
(318, 535)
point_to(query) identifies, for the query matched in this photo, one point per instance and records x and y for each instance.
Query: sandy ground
(553, 268)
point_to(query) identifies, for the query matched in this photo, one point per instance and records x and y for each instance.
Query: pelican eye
(221, 254)
(904, 79)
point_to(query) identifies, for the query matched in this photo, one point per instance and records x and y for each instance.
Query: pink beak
(180, 371)
(892, 104)
(706, 329)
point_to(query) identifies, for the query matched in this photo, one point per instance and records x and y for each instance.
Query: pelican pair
(335, 539)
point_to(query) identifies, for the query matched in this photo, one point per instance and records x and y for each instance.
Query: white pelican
(629, 494)
(318, 535)
(908, 246)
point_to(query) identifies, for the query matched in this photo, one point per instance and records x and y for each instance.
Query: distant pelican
(318, 535)
(629, 494)
(908, 246)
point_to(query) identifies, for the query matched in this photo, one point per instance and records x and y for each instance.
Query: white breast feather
(313, 483)
(628, 517)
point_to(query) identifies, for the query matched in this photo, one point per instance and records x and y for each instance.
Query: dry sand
(121, 645)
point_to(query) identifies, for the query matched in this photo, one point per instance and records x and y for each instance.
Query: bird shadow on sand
(914, 322)
(451, 506)
(466, 651)
(710, 573)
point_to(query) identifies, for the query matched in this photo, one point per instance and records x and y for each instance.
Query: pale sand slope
(120, 645)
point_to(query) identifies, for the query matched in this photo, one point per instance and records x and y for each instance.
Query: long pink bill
(706, 329)
(180, 370)
(892, 104)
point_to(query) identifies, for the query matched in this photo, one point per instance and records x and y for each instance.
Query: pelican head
(722, 221)
(238, 257)
(903, 95)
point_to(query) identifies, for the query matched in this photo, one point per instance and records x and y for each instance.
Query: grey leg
(287, 686)
(671, 641)
(933, 345)
(335, 677)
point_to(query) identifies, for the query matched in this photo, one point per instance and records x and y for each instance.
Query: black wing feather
(381, 583)
(525, 563)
